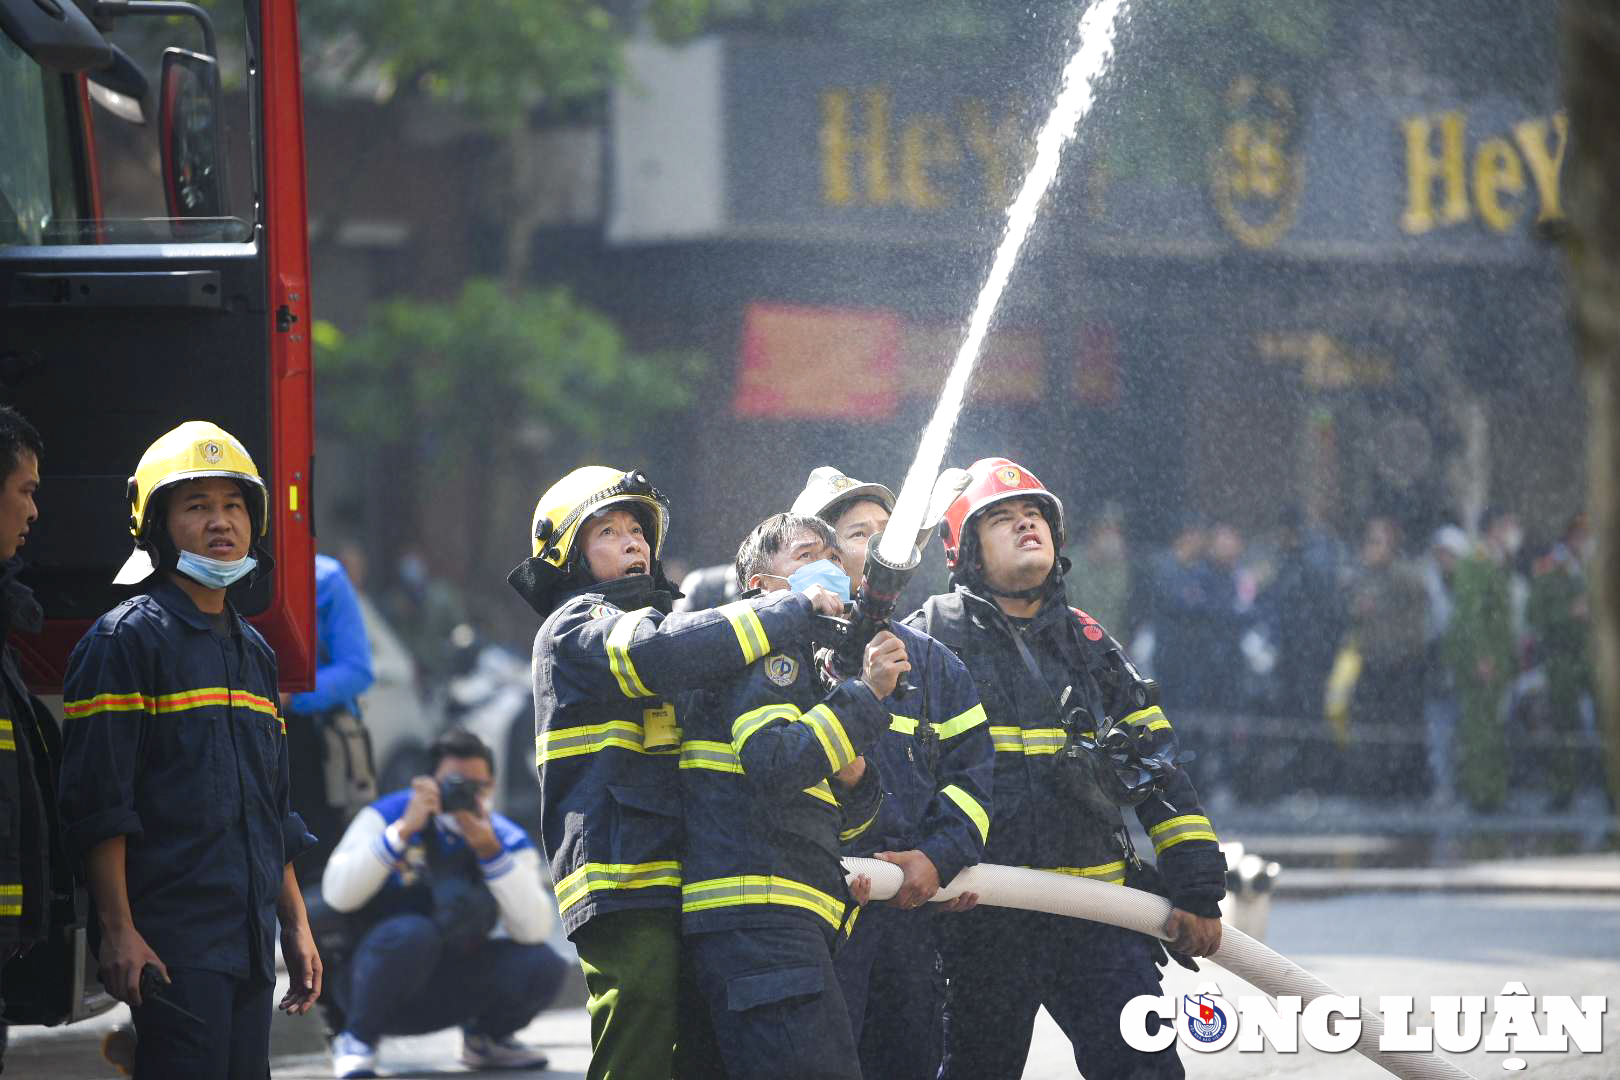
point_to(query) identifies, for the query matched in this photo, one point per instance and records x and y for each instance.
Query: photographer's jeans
(403, 980)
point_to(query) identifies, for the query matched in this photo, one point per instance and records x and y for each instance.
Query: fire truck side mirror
(190, 142)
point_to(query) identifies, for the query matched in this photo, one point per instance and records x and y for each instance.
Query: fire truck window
(25, 164)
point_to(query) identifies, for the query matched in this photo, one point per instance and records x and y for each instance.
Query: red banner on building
(818, 363)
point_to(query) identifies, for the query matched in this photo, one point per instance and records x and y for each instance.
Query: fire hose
(1146, 913)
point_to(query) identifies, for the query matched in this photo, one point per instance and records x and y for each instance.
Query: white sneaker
(352, 1058)
(489, 1052)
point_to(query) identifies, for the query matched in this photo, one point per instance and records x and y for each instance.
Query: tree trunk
(1592, 49)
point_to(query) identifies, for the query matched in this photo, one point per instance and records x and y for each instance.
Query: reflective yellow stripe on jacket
(750, 631)
(11, 900)
(965, 721)
(969, 806)
(1167, 834)
(170, 703)
(1153, 717)
(8, 736)
(846, 835)
(1111, 872)
(618, 653)
(1016, 740)
(720, 757)
(828, 728)
(603, 877)
(760, 889)
(572, 741)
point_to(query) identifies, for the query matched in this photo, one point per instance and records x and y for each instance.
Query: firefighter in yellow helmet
(195, 451)
(174, 787)
(608, 659)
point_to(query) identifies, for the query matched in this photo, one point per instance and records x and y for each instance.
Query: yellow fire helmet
(195, 449)
(586, 491)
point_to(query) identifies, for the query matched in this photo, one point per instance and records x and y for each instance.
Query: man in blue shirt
(332, 774)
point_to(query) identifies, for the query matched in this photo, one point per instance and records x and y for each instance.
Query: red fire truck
(153, 269)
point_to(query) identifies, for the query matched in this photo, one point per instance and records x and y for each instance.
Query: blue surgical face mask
(214, 573)
(824, 572)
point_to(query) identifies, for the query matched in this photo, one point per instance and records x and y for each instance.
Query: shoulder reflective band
(604, 877)
(1167, 834)
(760, 889)
(1111, 872)
(750, 632)
(964, 721)
(969, 806)
(11, 898)
(1153, 717)
(1014, 740)
(170, 703)
(744, 727)
(618, 653)
(588, 739)
(708, 754)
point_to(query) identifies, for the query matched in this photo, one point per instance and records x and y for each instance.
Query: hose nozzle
(882, 582)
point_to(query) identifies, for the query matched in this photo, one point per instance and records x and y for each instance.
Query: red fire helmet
(995, 479)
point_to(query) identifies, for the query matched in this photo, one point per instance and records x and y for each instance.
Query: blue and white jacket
(375, 856)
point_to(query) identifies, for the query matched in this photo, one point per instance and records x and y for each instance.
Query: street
(1369, 944)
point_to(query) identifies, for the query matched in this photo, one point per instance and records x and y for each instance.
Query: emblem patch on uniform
(1009, 475)
(599, 611)
(781, 670)
(1093, 632)
(212, 452)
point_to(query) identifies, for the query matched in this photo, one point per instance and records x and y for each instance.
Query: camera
(458, 793)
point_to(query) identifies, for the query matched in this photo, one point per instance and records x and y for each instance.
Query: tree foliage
(482, 373)
(500, 59)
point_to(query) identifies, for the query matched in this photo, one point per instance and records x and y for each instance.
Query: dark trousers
(231, 1043)
(404, 980)
(774, 999)
(1002, 966)
(889, 973)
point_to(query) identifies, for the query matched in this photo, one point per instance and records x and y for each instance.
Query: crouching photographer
(448, 916)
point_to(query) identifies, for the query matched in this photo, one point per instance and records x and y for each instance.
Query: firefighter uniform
(608, 660)
(36, 881)
(938, 764)
(173, 741)
(1052, 815)
(1077, 734)
(764, 903)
